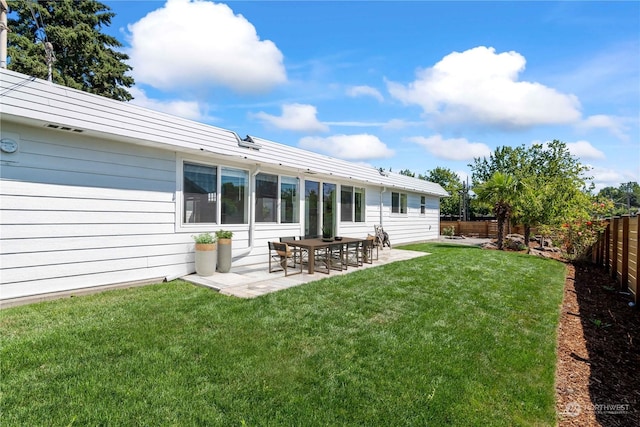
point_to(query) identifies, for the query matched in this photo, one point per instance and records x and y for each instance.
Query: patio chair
(337, 256)
(289, 238)
(368, 247)
(353, 254)
(382, 238)
(322, 260)
(284, 256)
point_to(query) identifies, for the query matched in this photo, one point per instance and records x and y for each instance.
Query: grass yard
(462, 337)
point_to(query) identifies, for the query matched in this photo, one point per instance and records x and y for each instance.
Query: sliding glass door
(311, 208)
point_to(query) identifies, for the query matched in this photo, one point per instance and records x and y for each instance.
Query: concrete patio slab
(255, 280)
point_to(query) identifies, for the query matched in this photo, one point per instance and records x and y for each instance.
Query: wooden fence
(485, 229)
(617, 251)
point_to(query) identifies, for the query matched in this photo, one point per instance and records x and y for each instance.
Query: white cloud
(604, 177)
(584, 150)
(615, 125)
(481, 87)
(348, 147)
(297, 117)
(186, 109)
(355, 91)
(194, 43)
(453, 148)
(464, 176)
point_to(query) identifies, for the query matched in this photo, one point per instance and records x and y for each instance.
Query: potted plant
(224, 250)
(206, 256)
(327, 234)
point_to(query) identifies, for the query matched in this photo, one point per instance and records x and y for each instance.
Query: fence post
(615, 223)
(607, 245)
(624, 270)
(634, 284)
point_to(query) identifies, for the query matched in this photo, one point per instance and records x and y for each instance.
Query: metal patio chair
(285, 257)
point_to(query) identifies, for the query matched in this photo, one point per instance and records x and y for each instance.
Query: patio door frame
(320, 207)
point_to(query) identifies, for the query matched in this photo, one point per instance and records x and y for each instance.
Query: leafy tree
(407, 172)
(626, 198)
(507, 160)
(553, 186)
(85, 57)
(500, 191)
(450, 181)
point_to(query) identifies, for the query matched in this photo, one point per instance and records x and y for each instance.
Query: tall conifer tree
(84, 57)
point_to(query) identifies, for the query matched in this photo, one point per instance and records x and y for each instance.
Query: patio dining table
(313, 244)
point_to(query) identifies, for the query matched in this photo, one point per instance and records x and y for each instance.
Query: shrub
(204, 238)
(449, 231)
(224, 234)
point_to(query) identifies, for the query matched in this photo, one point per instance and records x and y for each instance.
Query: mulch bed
(598, 370)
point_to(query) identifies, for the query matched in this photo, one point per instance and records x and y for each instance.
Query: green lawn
(462, 337)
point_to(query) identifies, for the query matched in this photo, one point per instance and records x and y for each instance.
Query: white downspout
(384, 190)
(252, 214)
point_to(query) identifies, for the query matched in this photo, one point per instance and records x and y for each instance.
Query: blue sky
(401, 85)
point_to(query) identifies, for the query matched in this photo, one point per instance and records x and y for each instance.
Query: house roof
(32, 101)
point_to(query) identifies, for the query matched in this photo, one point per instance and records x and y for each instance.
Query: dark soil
(598, 371)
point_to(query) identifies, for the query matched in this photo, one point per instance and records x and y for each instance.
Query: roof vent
(249, 143)
(65, 128)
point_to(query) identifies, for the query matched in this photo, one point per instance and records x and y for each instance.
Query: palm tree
(499, 191)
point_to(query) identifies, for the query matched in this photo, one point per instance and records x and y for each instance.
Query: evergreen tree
(83, 57)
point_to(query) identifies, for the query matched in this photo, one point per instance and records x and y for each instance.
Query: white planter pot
(206, 259)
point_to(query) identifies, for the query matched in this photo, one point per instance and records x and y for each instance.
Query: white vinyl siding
(104, 203)
(81, 212)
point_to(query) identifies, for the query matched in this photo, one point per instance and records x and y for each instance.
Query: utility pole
(4, 29)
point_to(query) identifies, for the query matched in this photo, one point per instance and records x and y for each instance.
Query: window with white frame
(289, 200)
(346, 203)
(233, 197)
(359, 204)
(352, 204)
(423, 205)
(266, 198)
(398, 203)
(200, 195)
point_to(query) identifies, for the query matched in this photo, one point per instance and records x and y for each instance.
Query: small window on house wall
(234, 196)
(346, 203)
(359, 204)
(200, 193)
(423, 205)
(398, 203)
(352, 204)
(266, 198)
(289, 200)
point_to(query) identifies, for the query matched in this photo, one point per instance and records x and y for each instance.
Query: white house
(98, 192)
